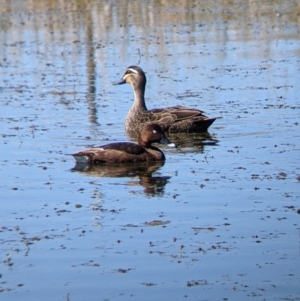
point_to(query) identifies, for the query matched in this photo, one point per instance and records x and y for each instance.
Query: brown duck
(175, 119)
(128, 152)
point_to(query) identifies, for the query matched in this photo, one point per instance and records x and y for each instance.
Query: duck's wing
(177, 113)
(180, 119)
(120, 147)
(168, 116)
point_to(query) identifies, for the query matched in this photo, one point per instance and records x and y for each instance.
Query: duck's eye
(154, 131)
(128, 72)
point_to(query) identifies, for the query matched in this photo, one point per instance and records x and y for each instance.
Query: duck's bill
(166, 141)
(120, 82)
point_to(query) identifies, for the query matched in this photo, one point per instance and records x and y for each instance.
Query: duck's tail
(204, 124)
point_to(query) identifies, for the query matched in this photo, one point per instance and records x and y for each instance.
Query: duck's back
(126, 147)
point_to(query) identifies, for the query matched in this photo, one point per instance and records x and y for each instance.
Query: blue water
(226, 214)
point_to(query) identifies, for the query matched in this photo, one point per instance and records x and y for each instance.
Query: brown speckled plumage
(126, 152)
(175, 119)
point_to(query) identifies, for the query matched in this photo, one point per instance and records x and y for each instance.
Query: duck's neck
(139, 97)
(153, 150)
(156, 152)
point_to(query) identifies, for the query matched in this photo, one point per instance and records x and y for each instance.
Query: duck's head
(135, 76)
(152, 133)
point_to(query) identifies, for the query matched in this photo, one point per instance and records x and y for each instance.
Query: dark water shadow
(153, 184)
(196, 141)
(190, 142)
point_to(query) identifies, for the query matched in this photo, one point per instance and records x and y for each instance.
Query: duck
(128, 152)
(176, 119)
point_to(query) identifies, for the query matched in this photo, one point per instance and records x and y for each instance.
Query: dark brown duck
(127, 152)
(175, 119)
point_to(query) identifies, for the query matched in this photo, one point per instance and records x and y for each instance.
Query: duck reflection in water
(138, 174)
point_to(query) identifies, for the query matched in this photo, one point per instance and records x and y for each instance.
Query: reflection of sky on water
(119, 29)
(77, 54)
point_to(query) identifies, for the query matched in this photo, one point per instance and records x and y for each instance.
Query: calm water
(214, 222)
